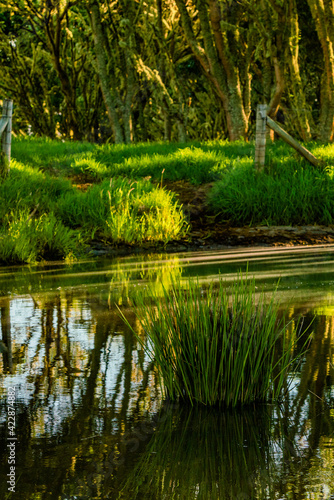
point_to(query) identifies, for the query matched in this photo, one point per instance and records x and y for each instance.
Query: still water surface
(89, 419)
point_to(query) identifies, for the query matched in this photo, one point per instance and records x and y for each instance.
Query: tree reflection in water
(90, 425)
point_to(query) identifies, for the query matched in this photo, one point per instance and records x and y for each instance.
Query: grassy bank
(47, 217)
(46, 213)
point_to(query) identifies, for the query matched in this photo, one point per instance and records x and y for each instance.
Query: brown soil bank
(208, 229)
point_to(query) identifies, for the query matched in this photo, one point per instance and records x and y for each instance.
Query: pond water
(89, 419)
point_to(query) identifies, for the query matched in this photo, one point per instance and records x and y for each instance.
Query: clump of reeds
(217, 346)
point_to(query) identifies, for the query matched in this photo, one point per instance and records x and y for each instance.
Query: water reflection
(297, 268)
(200, 453)
(77, 376)
(89, 419)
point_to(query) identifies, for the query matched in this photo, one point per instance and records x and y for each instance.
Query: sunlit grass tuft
(124, 211)
(216, 347)
(89, 167)
(26, 187)
(116, 211)
(24, 238)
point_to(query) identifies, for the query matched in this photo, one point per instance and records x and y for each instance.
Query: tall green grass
(284, 194)
(49, 155)
(191, 163)
(124, 211)
(27, 188)
(217, 347)
(33, 205)
(131, 210)
(66, 158)
(27, 239)
(196, 162)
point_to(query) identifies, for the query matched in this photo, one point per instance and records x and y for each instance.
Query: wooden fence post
(293, 143)
(260, 138)
(6, 138)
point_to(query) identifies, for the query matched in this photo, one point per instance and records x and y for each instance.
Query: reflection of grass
(127, 279)
(216, 348)
(205, 454)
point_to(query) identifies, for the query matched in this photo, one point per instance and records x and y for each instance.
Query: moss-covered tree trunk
(101, 61)
(73, 127)
(278, 56)
(268, 16)
(303, 117)
(127, 108)
(53, 22)
(162, 69)
(219, 61)
(127, 42)
(323, 15)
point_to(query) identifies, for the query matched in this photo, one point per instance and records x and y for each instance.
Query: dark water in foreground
(89, 420)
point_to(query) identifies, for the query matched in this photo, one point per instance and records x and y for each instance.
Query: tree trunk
(141, 102)
(66, 87)
(102, 71)
(235, 114)
(181, 124)
(130, 92)
(221, 61)
(167, 126)
(323, 15)
(129, 41)
(326, 123)
(217, 63)
(182, 133)
(303, 116)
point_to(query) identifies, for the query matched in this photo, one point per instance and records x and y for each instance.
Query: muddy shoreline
(226, 237)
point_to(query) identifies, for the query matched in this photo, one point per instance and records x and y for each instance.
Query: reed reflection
(197, 453)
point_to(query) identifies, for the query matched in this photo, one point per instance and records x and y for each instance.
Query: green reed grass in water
(217, 346)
